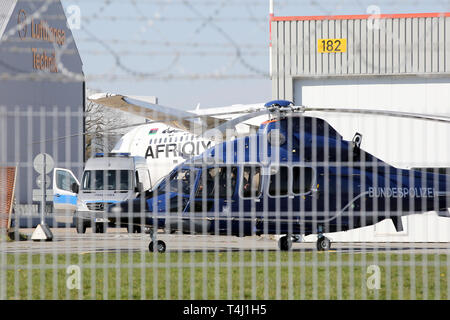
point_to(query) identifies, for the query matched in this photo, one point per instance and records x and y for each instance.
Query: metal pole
(270, 36)
(43, 188)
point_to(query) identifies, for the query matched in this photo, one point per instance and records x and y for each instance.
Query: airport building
(398, 62)
(41, 94)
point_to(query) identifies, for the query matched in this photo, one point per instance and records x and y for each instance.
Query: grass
(226, 275)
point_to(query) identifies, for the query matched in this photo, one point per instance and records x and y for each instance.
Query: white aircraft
(171, 137)
(174, 135)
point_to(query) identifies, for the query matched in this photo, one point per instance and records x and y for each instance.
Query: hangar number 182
(332, 45)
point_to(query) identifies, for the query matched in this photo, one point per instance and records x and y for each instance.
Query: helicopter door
(290, 187)
(65, 190)
(216, 186)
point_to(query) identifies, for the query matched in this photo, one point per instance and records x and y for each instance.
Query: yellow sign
(332, 45)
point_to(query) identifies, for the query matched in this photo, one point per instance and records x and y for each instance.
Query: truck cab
(108, 179)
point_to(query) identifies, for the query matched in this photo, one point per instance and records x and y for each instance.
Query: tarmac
(67, 240)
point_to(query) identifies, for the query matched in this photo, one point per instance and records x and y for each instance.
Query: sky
(208, 52)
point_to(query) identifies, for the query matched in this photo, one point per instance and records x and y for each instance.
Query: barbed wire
(162, 43)
(240, 3)
(201, 17)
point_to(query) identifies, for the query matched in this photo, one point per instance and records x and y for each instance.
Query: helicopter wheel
(160, 247)
(323, 244)
(285, 243)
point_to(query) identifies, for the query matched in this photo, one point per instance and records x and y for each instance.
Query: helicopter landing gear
(285, 243)
(160, 245)
(323, 243)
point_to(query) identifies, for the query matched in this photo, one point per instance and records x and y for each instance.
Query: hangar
(395, 62)
(41, 93)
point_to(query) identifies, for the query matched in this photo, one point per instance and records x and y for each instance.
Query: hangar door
(404, 143)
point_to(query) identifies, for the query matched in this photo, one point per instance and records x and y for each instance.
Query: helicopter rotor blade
(231, 124)
(136, 125)
(94, 132)
(398, 114)
(220, 130)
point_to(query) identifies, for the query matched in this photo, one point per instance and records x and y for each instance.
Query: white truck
(107, 179)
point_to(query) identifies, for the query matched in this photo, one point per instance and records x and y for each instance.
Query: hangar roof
(6, 9)
(363, 16)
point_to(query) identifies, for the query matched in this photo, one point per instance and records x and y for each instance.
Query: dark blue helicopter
(295, 176)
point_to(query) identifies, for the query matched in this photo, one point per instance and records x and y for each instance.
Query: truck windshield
(181, 181)
(107, 180)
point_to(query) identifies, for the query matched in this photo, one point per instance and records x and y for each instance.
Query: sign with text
(41, 30)
(332, 45)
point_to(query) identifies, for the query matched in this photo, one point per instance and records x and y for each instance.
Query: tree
(100, 122)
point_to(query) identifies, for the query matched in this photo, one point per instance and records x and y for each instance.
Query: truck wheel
(99, 227)
(81, 227)
(285, 243)
(133, 228)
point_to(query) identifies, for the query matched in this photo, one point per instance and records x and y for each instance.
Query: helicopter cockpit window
(279, 182)
(218, 181)
(251, 182)
(181, 181)
(301, 179)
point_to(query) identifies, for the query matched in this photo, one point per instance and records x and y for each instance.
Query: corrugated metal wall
(387, 46)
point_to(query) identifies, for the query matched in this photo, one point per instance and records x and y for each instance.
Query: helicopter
(296, 175)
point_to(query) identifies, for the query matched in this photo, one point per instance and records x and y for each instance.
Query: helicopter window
(180, 181)
(301, 179)
(218, 181)
(279, 182)
(251, 182)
